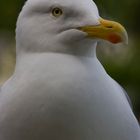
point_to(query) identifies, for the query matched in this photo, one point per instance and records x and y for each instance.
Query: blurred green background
(121, 62)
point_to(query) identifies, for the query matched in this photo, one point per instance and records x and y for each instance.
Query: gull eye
(57, 12)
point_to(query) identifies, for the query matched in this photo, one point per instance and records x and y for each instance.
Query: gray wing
(126, 95)
(128, 98)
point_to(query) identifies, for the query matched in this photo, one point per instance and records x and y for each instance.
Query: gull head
(64, 26)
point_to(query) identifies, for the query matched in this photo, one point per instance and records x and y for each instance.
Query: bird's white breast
(65, 98)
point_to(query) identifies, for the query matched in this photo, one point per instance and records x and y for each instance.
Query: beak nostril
(109, 26)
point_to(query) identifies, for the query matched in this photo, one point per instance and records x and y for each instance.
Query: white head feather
(39, 31)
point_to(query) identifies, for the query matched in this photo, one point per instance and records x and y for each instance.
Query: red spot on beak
(114, 38)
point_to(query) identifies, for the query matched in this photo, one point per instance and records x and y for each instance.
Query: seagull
(59, 89)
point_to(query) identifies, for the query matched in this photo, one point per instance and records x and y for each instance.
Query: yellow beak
(107, 30)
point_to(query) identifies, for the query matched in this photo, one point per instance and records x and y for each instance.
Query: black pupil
(57, 11)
